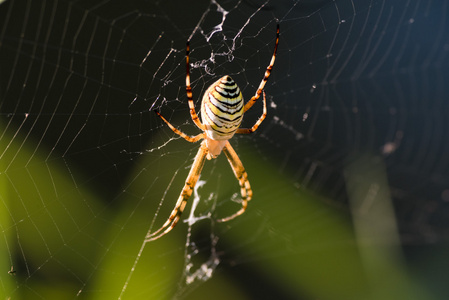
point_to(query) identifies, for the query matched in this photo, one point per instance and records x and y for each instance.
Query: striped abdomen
(222, 109)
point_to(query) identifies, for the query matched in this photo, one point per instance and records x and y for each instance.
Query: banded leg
(191, 139)
(251, 101)
(186, 192)
(259, 121)
(242, 177)
(193, 114)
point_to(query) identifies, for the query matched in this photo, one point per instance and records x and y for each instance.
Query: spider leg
(251, 101)
(193, 114)
(242, 177)
(191, 139)
(259, 121)
(186, 192)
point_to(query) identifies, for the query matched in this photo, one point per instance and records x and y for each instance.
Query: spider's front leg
(242, 177)
(186, 192)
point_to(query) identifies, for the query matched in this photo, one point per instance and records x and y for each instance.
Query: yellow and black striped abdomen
(222, 109)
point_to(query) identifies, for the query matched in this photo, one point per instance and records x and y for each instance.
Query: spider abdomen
(222, 109)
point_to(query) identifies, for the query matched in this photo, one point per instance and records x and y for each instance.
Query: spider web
(349, 170)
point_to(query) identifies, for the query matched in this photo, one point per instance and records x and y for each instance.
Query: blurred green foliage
(62, 239)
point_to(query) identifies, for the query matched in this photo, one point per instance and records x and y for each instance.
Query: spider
(222, 109)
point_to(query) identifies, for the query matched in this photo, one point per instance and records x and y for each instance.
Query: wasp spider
(222, 109)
